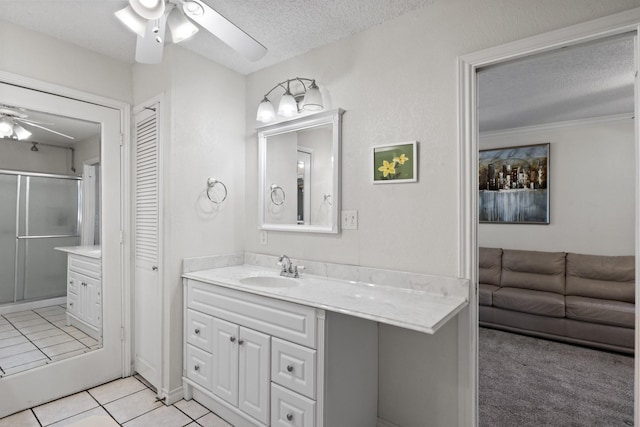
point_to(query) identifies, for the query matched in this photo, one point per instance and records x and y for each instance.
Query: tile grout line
(26, 337)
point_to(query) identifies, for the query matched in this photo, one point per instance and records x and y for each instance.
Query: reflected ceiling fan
(149, 19)
(13, 120)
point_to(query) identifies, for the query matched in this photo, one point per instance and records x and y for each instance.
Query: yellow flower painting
(395, 163)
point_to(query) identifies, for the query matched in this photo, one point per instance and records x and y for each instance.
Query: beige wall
(592, 191)
(203, 137)
(37, 56)
(398, 82)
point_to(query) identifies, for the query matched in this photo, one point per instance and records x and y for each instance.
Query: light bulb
(6, 127)
(21, 133)
(180, 27)
(266, 113)
(288, 106)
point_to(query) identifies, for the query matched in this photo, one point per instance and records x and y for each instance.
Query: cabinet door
(225, 361)
(92, 293)
(254, 374)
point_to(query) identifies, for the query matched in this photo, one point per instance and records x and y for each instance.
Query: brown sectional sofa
(581, 299)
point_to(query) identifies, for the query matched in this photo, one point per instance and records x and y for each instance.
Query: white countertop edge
(88, 251)
(450, 303)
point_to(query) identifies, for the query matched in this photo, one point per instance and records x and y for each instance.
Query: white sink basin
(269, 281)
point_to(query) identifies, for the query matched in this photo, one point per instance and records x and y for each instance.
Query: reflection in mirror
(49, 238)
(299, 171)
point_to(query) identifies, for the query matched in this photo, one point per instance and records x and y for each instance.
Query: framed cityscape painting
(513, 184)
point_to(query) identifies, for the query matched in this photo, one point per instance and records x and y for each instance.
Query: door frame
(468, 136)
(124, 111)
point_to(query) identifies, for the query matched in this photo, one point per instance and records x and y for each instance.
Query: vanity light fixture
(300, 94)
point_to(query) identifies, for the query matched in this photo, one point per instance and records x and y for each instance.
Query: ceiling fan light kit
(308, 98)
(148, 9)
(147, 18)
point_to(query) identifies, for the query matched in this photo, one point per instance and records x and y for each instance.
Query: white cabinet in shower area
(84, 289)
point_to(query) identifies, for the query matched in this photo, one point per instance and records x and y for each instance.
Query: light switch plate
(349, 220)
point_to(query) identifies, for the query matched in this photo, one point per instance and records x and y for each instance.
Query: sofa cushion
(540, 271)
(604, 277)
(529, 301)
(489, 266)
(485, 294)
(606, 312)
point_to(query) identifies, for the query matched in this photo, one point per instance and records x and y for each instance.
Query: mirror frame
(332, 117)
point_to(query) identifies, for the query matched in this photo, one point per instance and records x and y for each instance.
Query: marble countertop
(88, 251)
(414, 309)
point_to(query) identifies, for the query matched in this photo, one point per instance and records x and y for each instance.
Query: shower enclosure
(37, 213)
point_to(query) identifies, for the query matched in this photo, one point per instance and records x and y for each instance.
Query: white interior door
(57, 379)
(148, 289)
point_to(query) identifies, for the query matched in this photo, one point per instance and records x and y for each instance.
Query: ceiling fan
(13, 120)
(149, 19)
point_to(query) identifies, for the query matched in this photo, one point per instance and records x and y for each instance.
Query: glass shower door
(8, 195)
(49, 217)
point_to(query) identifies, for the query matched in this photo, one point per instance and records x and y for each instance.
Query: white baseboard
(172, 396)
(385, 423)
(21, 306)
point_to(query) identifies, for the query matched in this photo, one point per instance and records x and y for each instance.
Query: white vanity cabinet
(260, 361)
(84, 294)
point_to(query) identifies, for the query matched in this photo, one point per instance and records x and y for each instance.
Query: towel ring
(274, 190)
(211, 183)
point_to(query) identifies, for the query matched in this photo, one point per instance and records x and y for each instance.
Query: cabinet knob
(196, 331)
(232, 339)
(71, 304)
(240, 342)
(289, 416)
(71, 282)
(154, 268)
(289, 368)
(196, 368)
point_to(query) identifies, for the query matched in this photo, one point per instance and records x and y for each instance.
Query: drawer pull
(289, 416)
(196, 368)
(196, 331)
(289, 368)
(232, 339)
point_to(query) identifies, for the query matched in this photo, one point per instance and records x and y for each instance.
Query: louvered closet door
(148, 289)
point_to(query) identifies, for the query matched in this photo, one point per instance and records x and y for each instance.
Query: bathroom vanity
(265, 350)
(84, 289)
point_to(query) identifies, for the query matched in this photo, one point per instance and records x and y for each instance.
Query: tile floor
(36, 337)
(125, 402)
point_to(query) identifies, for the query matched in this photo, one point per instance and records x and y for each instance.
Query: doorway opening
(469, 66)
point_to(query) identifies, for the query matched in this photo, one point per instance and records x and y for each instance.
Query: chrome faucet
(288, 268)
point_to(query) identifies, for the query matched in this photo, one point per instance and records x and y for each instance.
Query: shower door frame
(26, 175)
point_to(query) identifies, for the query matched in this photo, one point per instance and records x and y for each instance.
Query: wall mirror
(50, 189)
(299, 174)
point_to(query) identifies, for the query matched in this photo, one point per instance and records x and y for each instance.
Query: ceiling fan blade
(47, 129)
(33, 121)
(223, 29)
(149, 48)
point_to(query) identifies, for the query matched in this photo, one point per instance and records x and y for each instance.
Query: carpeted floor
(526, 381)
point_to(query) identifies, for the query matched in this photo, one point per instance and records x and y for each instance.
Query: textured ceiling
(573, 83)
(287, 28)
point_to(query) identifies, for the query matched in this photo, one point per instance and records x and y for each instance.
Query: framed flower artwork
(397, 163)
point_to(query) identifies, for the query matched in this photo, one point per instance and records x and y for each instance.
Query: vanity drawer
(73, 281)
(289, 409)
(198, 366)
(72, 303)
(294, 367)
(84, 265)
(199, 327)
(289, 321)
